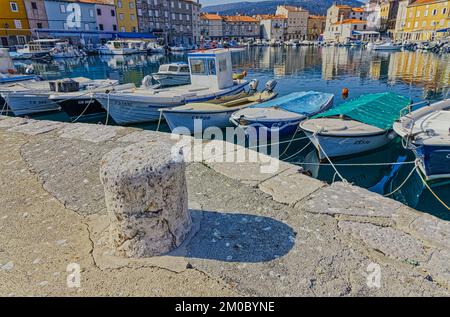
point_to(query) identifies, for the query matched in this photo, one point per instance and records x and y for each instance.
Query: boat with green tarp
(359, 125)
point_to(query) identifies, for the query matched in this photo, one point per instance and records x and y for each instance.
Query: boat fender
(147, 81)
(270, 85)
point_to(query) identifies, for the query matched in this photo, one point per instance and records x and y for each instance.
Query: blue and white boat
(426, 131)
(283, 114)
(197, 117)
(8, 73)
(211, 77)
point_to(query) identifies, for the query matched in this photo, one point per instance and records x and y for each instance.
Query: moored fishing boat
(386, 46)
(173, 74)
(426, 132)
(83, 103)
(196, 117)
(117, 47)
(211, 77)
(359, 125)
(282, 115)
(8, 72)
(38, 48)
(29, 98)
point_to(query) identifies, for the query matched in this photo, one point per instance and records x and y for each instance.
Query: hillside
(267, 7)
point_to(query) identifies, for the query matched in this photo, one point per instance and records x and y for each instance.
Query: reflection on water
(416, 75)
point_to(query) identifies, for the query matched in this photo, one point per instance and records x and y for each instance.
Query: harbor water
(416, 75)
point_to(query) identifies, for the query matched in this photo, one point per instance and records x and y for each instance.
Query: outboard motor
(270, 85)
(253, 85)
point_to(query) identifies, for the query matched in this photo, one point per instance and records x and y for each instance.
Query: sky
(213, 2)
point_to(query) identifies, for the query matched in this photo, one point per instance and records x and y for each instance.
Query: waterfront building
(338, 13)
(373, 14)
(14, 27)
(316, 27)
(427, 20)
(105, 13)
(126, 15)
(73, 20)
(196, 24)
(241, 27)
(388, 15)
(174, 21)
(343, 31)
(212, 26)
(37, 16)
(400, 21)
(273, 27)
(297, 21)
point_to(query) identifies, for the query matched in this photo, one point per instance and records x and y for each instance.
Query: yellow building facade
(427, 20)
(14, 26)
(127, 19)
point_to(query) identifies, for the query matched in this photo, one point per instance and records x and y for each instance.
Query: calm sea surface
(416, 75)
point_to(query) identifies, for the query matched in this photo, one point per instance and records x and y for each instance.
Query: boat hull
(80, 107)
(129, 108)
(282, 128)
(434, 161)
(25, 104)
(336, 146)
(197, 121)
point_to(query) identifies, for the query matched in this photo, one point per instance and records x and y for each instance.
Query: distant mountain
(268, 7)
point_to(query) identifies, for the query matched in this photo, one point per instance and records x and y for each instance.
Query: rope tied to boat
(429, 188)
(107, 107)
(328, 158)
(159, 120)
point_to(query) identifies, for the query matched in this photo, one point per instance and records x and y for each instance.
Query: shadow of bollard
(237, 237)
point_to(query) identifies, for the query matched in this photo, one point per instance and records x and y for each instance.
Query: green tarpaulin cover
(380, 110)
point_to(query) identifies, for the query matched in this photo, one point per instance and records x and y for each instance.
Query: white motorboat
(173, 74)
(64, 50)
(359, 125)
(385, 46)
(211, 77)
(8, 72)
(29, 98)
(426, 132)
(117, 47)
(155, 48)
(196, 117)
(178, 48)
(38, 48)
(283, 114)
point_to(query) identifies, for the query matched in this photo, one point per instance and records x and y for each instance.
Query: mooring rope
(403, 183)
(429, 188)
(355, 164)
(160, 119)
(329, 160)
(4, 108)
(107, 110)
(290, 142)
(298, 152)
(85, 109)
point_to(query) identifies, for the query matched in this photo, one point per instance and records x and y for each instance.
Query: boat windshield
(202, 66)
(198, 66)
(184, 69)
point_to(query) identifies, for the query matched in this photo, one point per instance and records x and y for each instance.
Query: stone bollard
(146, 199)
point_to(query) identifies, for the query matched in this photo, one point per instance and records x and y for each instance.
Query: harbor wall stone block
(146, 199)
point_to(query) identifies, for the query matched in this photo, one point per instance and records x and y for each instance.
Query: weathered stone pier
(241, 231)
